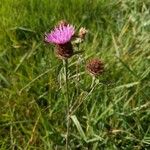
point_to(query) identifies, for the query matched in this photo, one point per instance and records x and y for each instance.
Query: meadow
(113, 113)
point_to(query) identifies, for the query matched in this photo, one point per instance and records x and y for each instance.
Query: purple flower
(60, 35)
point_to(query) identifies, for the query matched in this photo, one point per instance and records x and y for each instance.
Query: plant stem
(67, 100)
(93, 81)
(78, 70)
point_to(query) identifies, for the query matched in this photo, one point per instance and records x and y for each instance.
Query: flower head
(81, 36)
(61, 34)
(82, 32)
(95, 67)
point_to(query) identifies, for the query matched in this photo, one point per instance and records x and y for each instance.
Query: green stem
(67, 100)
(66, 81)
(77, 71)
(93, 81)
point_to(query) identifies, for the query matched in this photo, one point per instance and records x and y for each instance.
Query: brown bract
(95, 67)
(64, 51)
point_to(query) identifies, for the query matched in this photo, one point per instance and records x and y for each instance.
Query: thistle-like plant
(61, 36)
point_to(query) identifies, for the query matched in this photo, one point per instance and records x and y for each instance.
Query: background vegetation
(114, 114)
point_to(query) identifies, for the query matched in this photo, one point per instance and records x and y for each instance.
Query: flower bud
(95, 67)
(82, 32)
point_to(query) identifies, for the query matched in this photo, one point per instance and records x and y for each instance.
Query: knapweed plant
(62, 37)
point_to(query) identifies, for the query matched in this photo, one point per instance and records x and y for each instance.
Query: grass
(112, 114)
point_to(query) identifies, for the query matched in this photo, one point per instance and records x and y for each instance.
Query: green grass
(114, 114)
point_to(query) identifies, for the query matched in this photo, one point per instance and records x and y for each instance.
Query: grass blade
(79, 128)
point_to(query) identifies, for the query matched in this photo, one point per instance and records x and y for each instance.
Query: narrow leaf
(79, 128)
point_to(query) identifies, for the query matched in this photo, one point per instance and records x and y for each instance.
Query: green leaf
(79, 128)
